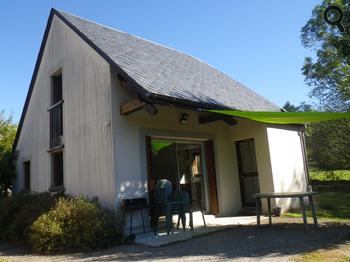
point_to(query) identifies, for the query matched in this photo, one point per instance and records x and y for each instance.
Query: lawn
(330, 203)
(324, 176)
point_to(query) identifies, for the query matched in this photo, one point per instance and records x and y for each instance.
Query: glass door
(191, 173)
(180, 163)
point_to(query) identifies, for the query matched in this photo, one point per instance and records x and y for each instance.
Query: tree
(302, 107)
(7, 136)
(329, 144)
(328, 74)
(290, 107)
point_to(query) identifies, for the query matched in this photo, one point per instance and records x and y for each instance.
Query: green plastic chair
(165, 205)
(184, 197)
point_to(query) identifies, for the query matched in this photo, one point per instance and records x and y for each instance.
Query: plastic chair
(185, 198)
(164, 205)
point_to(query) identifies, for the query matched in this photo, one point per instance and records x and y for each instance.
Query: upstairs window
(56, 112)
(56, 89)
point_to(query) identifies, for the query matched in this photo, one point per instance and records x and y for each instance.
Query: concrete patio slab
(214, 224)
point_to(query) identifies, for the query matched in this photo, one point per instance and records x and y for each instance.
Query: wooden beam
(230, 121)
(209, 118)
(205, 119)
(131, 106)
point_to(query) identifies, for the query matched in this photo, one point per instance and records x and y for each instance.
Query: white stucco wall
(247, 129)
(288, 171)
(130, 152)
(279, 159)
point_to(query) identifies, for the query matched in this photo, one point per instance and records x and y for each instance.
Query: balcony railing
(56, 125)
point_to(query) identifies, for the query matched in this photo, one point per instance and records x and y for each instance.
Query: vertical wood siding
(88, 168)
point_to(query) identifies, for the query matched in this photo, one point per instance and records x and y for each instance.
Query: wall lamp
(184, 118)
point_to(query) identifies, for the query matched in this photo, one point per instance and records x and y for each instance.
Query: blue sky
(255, 42)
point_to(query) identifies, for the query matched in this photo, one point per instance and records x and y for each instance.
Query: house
(108, 114)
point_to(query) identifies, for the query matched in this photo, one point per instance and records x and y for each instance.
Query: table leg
(269, 210)
(205, 224)
(143, 223)
(302, 206)
(313, 209)
(257, 211)
(191, 219)
(130, 222)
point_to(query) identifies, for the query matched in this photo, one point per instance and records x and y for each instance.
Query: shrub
(75, 224)
(18, 212)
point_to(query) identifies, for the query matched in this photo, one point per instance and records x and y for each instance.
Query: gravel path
(280, 242)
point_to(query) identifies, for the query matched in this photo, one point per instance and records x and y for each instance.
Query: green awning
(285, 117)
(159, 145)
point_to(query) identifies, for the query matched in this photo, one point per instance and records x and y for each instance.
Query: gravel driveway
(280, 242)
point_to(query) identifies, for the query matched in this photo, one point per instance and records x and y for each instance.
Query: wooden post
(131, 106)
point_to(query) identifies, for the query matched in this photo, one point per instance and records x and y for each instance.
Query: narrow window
(56, 89)
(57, 169)
(26, 165)
(56, 112)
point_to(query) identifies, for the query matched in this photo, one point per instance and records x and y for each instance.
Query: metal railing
(56, 125)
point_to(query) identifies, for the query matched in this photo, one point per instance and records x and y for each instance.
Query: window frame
(57, 182)
(26, 175)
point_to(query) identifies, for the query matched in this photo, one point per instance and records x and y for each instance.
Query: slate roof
(158, 74)
(161, 71)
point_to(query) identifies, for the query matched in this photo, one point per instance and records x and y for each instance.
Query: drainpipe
(304, 152)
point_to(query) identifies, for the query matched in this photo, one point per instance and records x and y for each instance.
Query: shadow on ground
(276, 241)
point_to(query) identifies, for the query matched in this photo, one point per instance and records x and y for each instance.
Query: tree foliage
(329, 144)
(302, 107)
(328, 74)
(7, 136)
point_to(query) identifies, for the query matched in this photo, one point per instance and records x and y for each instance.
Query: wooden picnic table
(300, 195)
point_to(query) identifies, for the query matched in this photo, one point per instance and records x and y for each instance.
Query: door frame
(203, 146)
(241, 178)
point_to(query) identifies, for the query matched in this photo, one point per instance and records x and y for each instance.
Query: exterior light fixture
(184, 119)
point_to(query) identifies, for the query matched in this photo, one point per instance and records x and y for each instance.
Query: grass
(330, 204)
(338, 253)
(324, 176)
(324, 255)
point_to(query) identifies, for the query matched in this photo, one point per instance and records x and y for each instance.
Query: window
(56, 112)
(26, 166)
(56, 89)
(57, 169)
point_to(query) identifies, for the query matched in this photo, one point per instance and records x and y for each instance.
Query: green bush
(49, 223)
(18, 212)
(75, 224)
